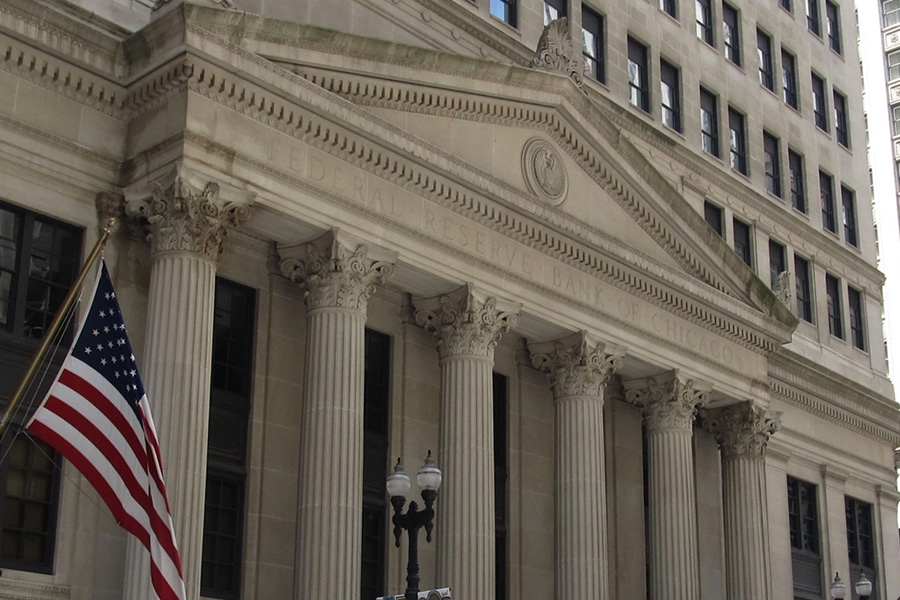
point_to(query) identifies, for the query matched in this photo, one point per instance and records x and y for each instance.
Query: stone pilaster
(186, 225)
(742, 432)
(669, 404)
(468, 326)
(580, 368)
(338, 273)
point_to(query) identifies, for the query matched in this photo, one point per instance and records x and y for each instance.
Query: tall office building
(612, 262)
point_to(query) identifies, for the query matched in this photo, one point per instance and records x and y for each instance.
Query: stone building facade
(616, 271)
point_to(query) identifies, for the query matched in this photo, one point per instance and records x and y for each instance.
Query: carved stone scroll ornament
(578, 366)
(337, 270)
(544, 171)
(180, 217)
(670, 402)
(742, 429)
(782, 287)
(465, 322)
(555, 52)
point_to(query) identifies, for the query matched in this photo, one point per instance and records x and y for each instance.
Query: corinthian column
(186, 224)
(339, 274)
(579, 368)
(742, 432)
(669, 404)
(468, 326)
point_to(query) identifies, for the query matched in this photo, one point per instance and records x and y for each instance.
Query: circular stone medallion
(544, 171)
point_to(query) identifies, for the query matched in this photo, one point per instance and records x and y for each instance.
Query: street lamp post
(398, 484)
(863, 587)
(838, 588)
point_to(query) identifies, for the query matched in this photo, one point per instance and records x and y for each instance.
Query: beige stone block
(8, 91)
(274, 581)
(47, 111)
(286, 358)
(282, 444)
(278, 540)
(101, 133)
(284, 403)
(279, 494)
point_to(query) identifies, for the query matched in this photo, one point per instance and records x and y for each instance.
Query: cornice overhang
(825, 394)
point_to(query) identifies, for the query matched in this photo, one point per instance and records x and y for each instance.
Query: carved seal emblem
(544, 171)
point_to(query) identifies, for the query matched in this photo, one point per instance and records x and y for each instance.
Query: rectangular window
(803, 520)
(890, 9)
(797, 181)
(820, 103)
(895, 114)
(713, 216)
(742, 241)
(833, 295)
(893, 61)
(841, 127)
(860, 538)
(786, 5)
(670, 92)
(812, 16)
(857, 329)
(376, 419)
(705, 21)
(638, 76)
(737, 141)
(826, 193)
(229, 418)
(501, 478)
(554, 9)
(30, 504)
(848, 214)
(709, 122)
(772, 159)
(592, 44)
(803, 285)
(731, 33)
(39, 258)
(669, 7)
(833, 26)
(764, 52)
(789, 79)
(777, 262)
(505, 10)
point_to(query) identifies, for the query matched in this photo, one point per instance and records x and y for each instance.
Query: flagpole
(54, 327)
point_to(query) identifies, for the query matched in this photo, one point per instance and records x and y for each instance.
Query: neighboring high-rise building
(614, 263)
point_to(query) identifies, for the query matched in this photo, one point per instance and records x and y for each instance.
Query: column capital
(668, 401)
(742, 429)
(337, 270)
(579, 365)
(183, 212)
(466, 321)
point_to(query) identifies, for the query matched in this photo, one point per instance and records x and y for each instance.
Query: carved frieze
(555, 52)
(466, 322)
(578, 365)
(544, 171)
(337, 270)
(742, 429)
(180, 216)
(670, 401)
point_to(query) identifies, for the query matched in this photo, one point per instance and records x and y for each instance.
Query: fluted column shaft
(468, 327)
(339, 274)
(669, 408)
(742, 432)
(186, 226)
(580, 369)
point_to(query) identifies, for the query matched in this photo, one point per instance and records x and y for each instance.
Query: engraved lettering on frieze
(555, 52)
(180, 217)
(337, 271)
(742, 429)
(578, 366)
(466, 323)
(670, 402)
(544, 171)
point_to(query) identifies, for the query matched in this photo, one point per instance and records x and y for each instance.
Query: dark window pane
(841, 128)
(505, 10)
(812, 16)
(789, 79)
(764, 53)
(797, 181)
(669, 7)
(554, 9)
(848, 212)
(731, 33)
(638, 76)
(220, 571)
(820, 109)
(833, 295)
(833, 22)
(737, 141)
(777, 262)
(742, 241)
(705, 21)
(772, 159)
(857, 327)
(592, 44)
(803, 285)
(709, 123)
(826, 193)
(713, 216)
(670, 92)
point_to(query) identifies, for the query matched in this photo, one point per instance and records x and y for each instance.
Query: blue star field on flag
(104, 344)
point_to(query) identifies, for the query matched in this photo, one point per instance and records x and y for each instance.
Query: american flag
(96, 414)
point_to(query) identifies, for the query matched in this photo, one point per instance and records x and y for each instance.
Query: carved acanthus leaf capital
(670, 401)
(180, 215)
(742, 429)
(466, 322)
(556, 53)
(578, 364)
(337, 270)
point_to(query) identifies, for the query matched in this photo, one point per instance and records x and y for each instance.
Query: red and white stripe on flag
(96, 415)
